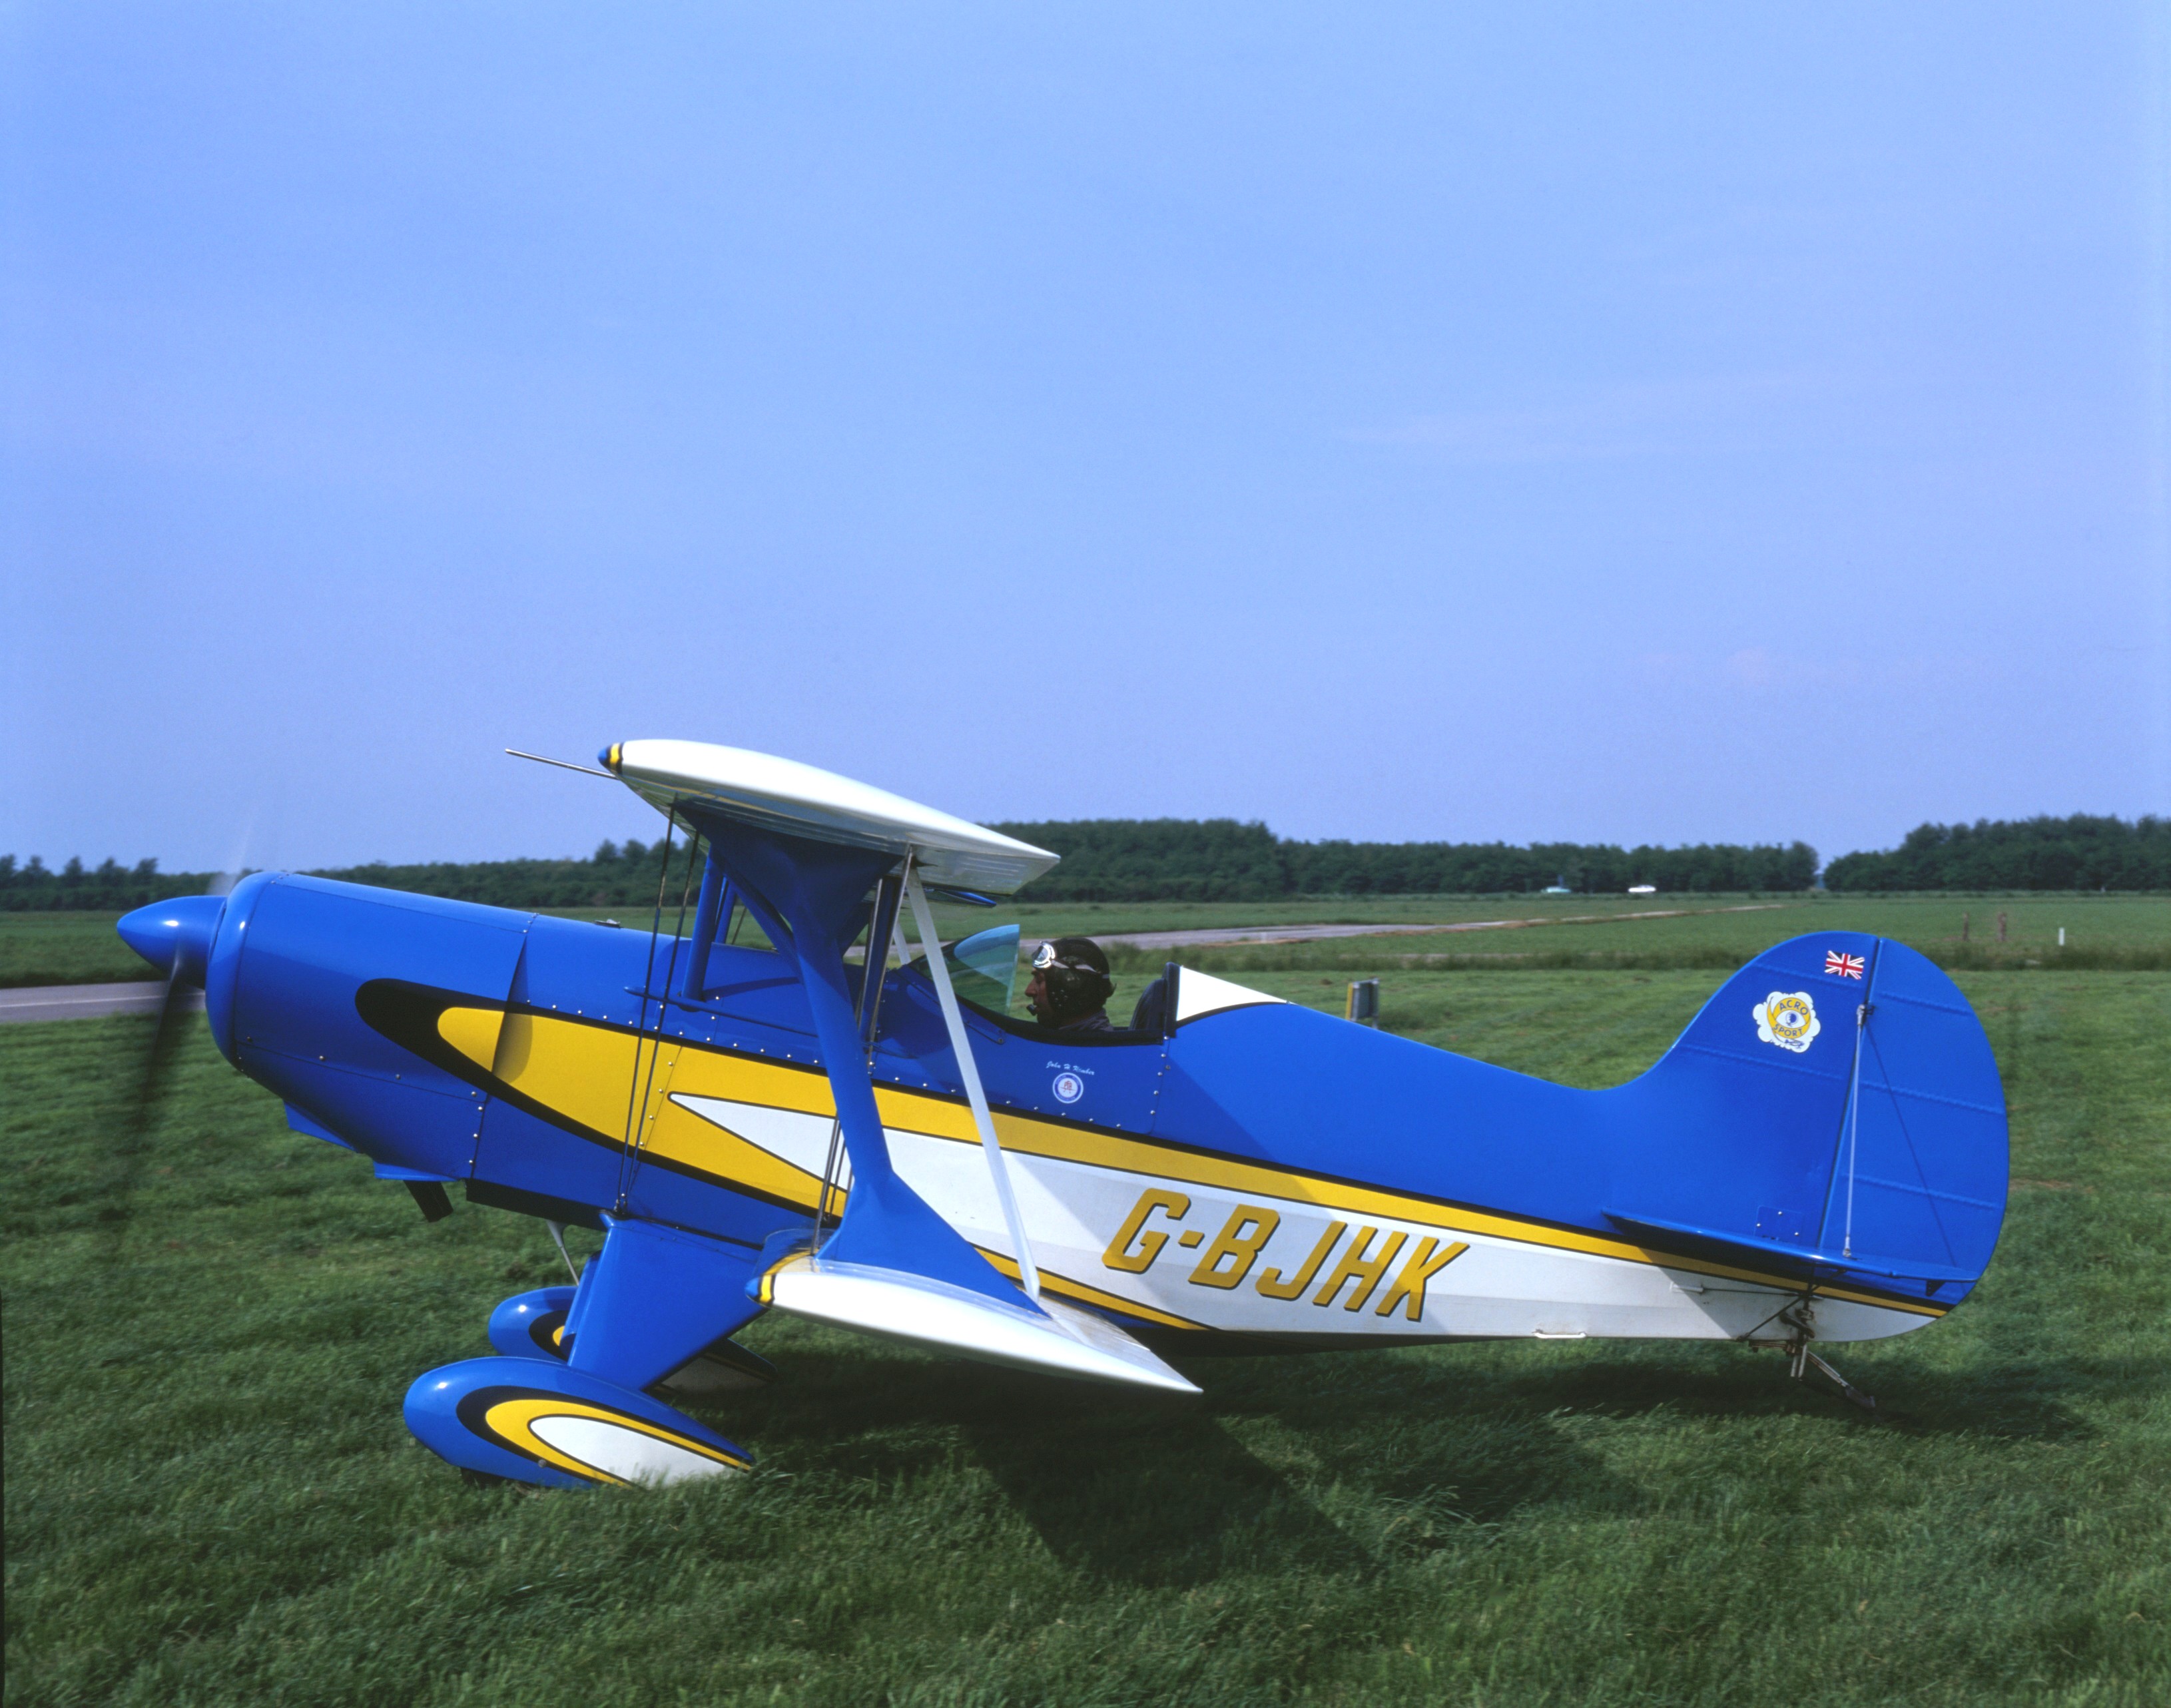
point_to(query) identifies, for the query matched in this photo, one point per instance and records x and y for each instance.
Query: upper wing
(767, 793)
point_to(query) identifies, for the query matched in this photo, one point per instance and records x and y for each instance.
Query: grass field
(65, 948)
(211, 1498)
(81, 948)
(2131, 932)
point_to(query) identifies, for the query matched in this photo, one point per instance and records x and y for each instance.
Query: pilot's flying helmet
(1074, 974)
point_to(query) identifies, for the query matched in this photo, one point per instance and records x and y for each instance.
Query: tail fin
(1834, 1111)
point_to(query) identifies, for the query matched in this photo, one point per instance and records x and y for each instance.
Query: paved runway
(85, 1001)
(1313, 933)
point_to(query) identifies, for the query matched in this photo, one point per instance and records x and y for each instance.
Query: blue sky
(1664, 423)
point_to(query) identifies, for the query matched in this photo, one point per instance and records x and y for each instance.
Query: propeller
(175, 936)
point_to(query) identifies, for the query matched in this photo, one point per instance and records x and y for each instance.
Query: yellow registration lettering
(1409, 1288)
(1119, 1255)
(1249, 1227)
(1356, 1267)
(1270, 1280)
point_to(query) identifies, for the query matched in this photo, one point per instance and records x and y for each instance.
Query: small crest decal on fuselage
(1787, 1019)
(1068, 1088)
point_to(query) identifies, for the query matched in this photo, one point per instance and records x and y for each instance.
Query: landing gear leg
(1800, 1358)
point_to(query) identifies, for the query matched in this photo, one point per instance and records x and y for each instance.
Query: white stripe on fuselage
(1496, 1287)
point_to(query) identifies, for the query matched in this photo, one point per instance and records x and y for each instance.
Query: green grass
(2128, 932)
(81, 948)
(211, 1498)
(65, 949)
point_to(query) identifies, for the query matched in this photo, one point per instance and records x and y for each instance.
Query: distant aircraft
(1643, 889)
(798, 1127)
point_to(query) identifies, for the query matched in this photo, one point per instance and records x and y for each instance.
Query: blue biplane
(798, 1124)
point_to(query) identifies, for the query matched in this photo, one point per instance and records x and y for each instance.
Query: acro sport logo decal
(1787, 1019)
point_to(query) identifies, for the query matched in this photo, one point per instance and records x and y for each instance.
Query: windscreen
(983, 967)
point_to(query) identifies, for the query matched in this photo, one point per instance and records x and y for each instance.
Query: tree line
(616, 875)
(107, 888)
(2084, 851)
(1223, 860)
(1115, 859)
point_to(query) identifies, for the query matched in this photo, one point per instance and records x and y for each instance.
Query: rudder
(1926, 1157)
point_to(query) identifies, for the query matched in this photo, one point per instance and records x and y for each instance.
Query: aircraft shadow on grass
(2013, 1402)
(2017, 1401)
(1162, 1492)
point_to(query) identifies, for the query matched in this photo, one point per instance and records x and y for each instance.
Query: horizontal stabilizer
(1755, 1250)
(1052, 1338)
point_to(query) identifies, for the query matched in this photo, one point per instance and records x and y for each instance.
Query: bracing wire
(662, 1013)
(635, 1100)
(1854, 1107)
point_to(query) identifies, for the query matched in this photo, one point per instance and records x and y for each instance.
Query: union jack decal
(1840, 966)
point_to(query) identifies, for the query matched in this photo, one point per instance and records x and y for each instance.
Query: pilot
(1070, 986)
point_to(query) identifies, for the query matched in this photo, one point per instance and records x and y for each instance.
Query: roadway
(1226, 934)
(86, 1002)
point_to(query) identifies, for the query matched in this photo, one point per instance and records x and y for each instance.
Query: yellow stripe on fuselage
(575, 1069)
